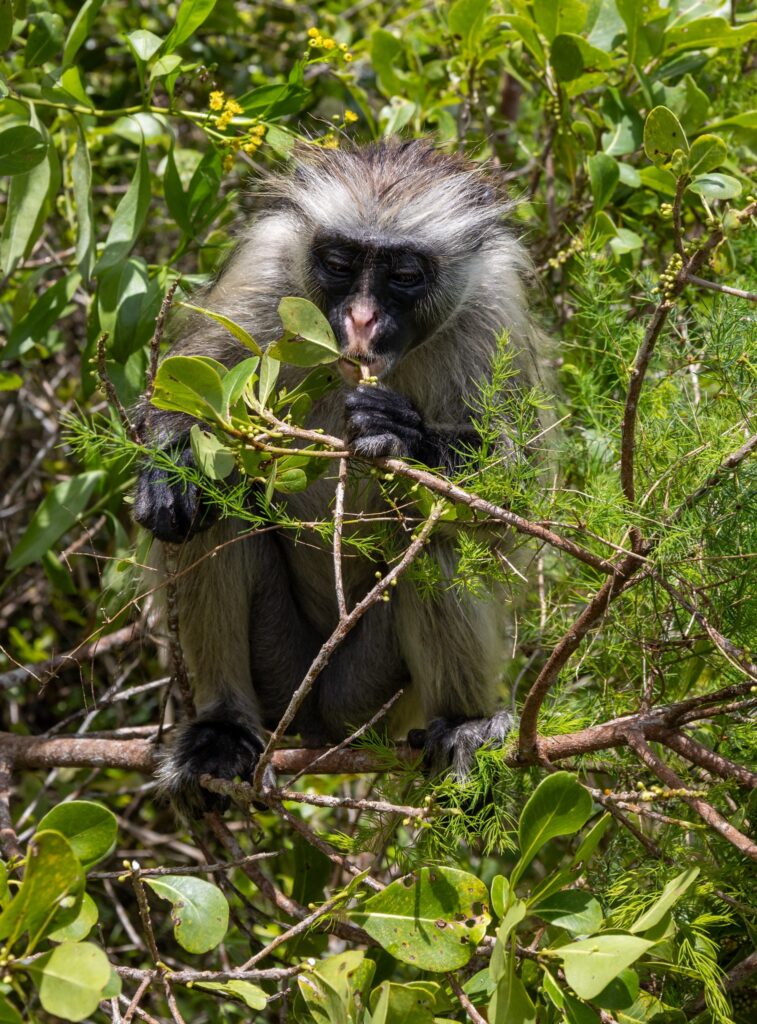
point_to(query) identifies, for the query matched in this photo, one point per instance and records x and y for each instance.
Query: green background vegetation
(132, 136)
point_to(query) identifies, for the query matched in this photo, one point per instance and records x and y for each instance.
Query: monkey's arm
(382, 422)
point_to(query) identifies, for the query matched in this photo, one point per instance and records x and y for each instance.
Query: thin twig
(726, 289)
(341, 488)
(470, 1010)
(706, 811)
(110, 391)
(157, 338)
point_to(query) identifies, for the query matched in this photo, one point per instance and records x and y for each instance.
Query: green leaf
(52, 887)
(199, 910)
(9, 1015)
(45, 39)
(625, 241)
(10, 381)
(647, 1009)
(42, 315)
(6, 35)
(81, 925)
(80, 29)
(386, 53)
(143, 44)
(188, 384)
(304, 319)
(566, 58)
(604, 174)
(591, 840)
(237, 380)
(706, 32)
(251, 995)
(211, 455)
(621, 993)
(81, 177)
(191, 15)
(21, 148)
(466, 18)
(59, 511)
(502, 895)
(392, 1003)
(432, 919)
(591, 964)
(672, 892)
(663, 135)
(511, 1003)
(71, 979)
(25, 210)
(574, 910)
(559, 806)
(555, 16)
(707, 153)
(324, 1002)
(129, 217)
(238, 332)
(716, 186)
(90, 828)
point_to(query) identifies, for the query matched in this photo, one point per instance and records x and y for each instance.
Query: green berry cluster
(564, 255)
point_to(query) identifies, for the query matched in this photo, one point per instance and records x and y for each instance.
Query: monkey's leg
(454, 646)
(219, 573)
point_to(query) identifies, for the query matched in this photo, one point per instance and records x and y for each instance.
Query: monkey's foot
(453, 745)
(217, 747)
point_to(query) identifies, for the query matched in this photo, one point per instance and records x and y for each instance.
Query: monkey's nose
(361, 324)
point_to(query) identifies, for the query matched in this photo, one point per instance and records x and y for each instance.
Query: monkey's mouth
(353, 371)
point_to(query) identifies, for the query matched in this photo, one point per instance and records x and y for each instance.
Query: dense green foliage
(131, 137)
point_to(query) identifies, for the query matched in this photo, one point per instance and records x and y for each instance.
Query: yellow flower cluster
(227, 108)
(350, 117)
(318, 41)
(255, 140)
(250, 145)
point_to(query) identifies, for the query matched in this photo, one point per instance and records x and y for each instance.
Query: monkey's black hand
(171, 511)
(221, 748)
(453, 745)
(381, 422)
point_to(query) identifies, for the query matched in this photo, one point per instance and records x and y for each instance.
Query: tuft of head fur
(401, 193)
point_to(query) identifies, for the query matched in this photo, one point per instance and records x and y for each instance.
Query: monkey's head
(395, 236)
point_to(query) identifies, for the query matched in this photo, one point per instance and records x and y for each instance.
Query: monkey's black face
(375, 298)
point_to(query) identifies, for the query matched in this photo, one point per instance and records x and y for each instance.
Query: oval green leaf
(82, 924)
(716, 186)
(211, 455)
(199, 910)
(21, 148)
(52, 887)
(672, 892)
(90, 828)
(663, 135)
(574, 910)
(59, 511)
(71, 980)
(604, 174)
(559, 806)
(566, 58)
(310, 340)
(591, 964)
(433, 918)
(9, 1015)
(707, 153)
(188, 384)
(251, 995)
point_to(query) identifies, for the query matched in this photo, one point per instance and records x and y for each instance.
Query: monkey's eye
(407, 278)
(338, 264)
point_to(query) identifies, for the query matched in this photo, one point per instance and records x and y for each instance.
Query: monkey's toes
(454, 744)
(223, 749)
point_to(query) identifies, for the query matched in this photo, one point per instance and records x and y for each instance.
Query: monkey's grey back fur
(253, 613)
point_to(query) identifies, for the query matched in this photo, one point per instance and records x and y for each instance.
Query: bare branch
(726, 289)
(706, 811)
